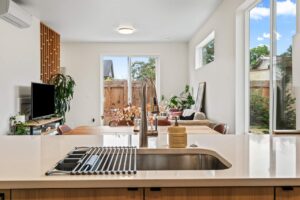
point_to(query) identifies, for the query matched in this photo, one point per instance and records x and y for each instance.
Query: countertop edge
(38, 184)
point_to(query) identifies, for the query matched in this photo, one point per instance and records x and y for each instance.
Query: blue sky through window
(120, 64)
(285, 24)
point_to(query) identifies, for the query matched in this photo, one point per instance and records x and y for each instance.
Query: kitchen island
(262, 166)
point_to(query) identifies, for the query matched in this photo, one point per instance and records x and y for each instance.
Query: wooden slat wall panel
(50, 53)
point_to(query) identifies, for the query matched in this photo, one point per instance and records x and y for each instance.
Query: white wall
(82, 62)
(19, 64)
(220, 74)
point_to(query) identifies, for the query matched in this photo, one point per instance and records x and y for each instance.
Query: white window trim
(273, 89)
(199, 49)
(157, 71)
(242, 102)
(247, 65)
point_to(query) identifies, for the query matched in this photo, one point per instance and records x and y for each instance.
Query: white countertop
(256, 161)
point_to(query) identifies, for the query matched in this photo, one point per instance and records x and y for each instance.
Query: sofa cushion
(188, 112)
(190, 117)
(192, 122)
(199, 116)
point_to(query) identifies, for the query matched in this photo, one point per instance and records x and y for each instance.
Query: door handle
(287, 188)
(132, 189)
(155, 189)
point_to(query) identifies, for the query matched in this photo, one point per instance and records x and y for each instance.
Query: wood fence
(260, 87)
(116, 96)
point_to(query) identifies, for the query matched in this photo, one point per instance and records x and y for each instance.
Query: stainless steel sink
(130, 160)
(180, 159)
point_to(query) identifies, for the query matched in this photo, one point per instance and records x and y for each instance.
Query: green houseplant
(184, 101)
(18, 127)
(64, 90)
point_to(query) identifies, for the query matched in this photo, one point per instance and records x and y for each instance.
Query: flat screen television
(42, 100)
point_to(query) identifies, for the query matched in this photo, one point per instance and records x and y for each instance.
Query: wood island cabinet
(218, 193)
(287, 193)
(235, 193)
(77, 194)
(4, 194)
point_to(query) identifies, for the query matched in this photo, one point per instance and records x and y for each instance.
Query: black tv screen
(42, 100)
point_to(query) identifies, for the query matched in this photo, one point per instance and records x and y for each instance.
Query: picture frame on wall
(200, 99)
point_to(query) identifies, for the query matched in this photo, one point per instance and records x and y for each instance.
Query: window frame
(273, 85)
(129, 56)
(247, 65)
(199, 50)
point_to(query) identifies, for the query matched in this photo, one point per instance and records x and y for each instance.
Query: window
(122, 80)
(141, 67)
(205, 51)
(271, 98)
(285, 23)
(259, 70)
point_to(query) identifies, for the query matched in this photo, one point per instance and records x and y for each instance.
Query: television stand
(33, 120)
(42, 122)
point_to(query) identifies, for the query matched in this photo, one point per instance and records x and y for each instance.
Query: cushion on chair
(163, 122)
(63, 129)
(221, 128)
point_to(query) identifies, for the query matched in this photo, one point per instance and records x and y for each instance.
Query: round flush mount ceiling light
(126, 30)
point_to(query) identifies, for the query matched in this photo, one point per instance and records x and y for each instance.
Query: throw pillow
(191, 117)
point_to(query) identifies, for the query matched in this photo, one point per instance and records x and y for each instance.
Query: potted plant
(184, 101)
(18, 127)
(64, 90)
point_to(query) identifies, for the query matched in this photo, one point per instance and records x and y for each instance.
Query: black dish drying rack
(97, 161)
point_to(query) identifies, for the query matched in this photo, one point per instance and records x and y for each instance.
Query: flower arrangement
(129, 113)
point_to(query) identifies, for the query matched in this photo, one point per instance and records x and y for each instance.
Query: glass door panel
(141, 67)
(285, 30)
(259, 68)
(115, 74)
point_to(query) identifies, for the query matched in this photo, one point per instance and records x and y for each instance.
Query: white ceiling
(96, 20)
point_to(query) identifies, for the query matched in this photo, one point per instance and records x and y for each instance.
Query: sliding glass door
(272, 24)
(140, 68)
(259, 68)
(115, 87)
(122, 80)
(285, 26)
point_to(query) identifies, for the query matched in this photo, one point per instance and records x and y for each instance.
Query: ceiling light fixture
(126, 30)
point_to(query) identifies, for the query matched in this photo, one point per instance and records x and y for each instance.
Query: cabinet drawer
(77, 194)
(287, 193)
(224, 193)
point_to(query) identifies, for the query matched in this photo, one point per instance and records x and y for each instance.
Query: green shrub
(259, 111)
